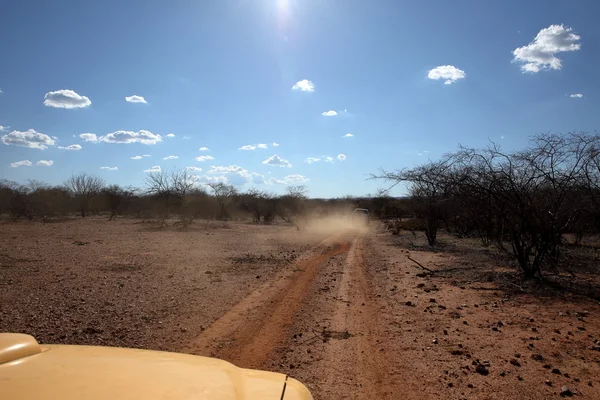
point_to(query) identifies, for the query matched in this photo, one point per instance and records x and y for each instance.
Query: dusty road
(338, 332)
(345, 312)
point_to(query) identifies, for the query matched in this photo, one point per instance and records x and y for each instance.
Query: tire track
(358, 357)
(253, 328)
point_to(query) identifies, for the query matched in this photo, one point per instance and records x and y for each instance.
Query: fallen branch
(420, 265)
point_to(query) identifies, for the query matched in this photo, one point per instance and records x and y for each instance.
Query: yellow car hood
(32, 371)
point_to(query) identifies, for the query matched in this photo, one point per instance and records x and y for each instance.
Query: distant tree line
(524, 202)
(169, 195)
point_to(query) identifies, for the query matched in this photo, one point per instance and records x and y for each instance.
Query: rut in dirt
(253, 328)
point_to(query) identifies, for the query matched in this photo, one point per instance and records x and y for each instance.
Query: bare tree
(170, 188)
(83, 187)
(223, 193)
(429, 186)
(115, 196)
(292, 205)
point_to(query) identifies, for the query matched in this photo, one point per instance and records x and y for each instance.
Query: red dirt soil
(346, 312)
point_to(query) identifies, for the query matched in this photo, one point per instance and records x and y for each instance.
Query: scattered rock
(482, 370)
(548, 382)
(409, 303)
(556, 371)
(432, 300)
(514, 362)
(457, 352)
(470, 386)
(537, 357)
(566, 392)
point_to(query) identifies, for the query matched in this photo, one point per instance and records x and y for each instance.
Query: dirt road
(319, 321)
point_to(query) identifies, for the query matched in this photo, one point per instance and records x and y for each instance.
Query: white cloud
(89, 137)
(203, 148)
(170, 158)
(55, 138)
(135, 99)
(45, 163)
(71, 147)
(236, 175)
(146, 155)
(274, 181)
(65, 98)
(275, 144)
(155, 168)
(295, 178)
(254, 146)
(224, 170)
(329, 113)
(576, 96)
(204, 158)
(304, 85)
(289, 179)
(136, 157)
(540, 54)
(195, 169)
(4, 128)
(186, 137)
(341, 157)
(327, 159)
(143, 136)
(277, 161)
(171, 135)
(109, 168)
(449, 73)
(29, 138)
(213, 179)
(347, 135)
(24, 163)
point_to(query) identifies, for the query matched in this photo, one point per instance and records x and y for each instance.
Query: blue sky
(409, 80)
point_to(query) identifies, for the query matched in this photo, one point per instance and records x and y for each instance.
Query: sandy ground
(344, 311)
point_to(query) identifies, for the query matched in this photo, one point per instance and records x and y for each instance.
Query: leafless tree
(115, 197)
(528, 198)
(83, 187)
(223, 193)
(170, 188)
(292, 205)
(430, 186)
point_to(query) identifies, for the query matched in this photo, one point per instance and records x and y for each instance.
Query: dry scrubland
(350, 313)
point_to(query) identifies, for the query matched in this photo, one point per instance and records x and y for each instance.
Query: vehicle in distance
(360, 217)
(30, 371)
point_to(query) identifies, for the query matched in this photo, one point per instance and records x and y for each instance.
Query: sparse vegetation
(526, 201)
